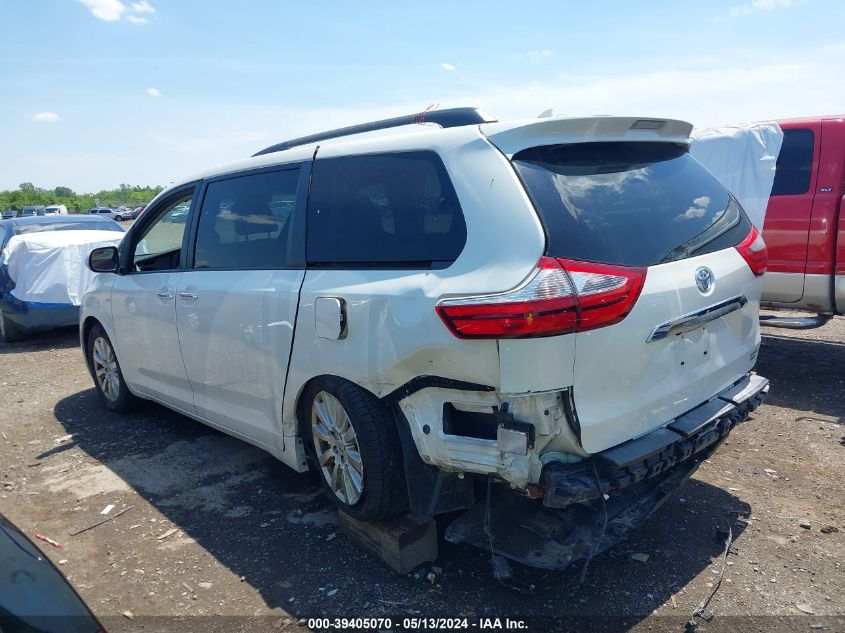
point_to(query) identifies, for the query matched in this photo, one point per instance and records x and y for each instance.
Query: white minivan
(564, 308)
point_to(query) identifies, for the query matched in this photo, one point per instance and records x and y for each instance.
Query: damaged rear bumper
(521, 529)
(591, 506)
(656, 452)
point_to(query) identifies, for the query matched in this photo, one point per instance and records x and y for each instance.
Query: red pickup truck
(805, 223)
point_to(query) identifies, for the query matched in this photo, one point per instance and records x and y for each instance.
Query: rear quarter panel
(394, 333)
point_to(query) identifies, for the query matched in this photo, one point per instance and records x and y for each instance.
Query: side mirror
(103, 260)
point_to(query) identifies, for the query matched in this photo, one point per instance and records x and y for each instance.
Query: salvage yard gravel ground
(203, 524)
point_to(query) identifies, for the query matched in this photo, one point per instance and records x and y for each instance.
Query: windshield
(96, 225)
(629, 203)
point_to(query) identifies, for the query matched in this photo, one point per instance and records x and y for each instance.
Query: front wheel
(352, 442)
(108, 378)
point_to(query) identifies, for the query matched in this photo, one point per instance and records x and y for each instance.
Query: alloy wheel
(105, 368)
(338, 451)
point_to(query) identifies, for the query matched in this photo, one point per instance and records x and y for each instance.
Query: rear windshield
(96, 225)
(626, 203)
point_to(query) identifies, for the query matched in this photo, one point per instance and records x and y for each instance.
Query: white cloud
(532, 56)
(108, 10)
(142, 7)
(45, 117)
(760, 5)
(729, 88)
(448, 67)
(725, 87)
(115, 10)
(154, 92)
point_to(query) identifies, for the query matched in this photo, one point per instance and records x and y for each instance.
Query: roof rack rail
(451, 117)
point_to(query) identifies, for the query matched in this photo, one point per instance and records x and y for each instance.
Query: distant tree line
(28, 194)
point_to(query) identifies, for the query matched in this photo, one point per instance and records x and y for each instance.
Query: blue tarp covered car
(41, 274)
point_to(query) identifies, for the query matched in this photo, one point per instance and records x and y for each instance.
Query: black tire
(123, 400)
(9, 331)
(383, 492)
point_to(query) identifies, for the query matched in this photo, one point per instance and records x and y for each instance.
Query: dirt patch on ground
(217, 527)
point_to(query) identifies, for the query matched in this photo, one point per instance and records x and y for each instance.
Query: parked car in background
(103, 211)
(122, 214)
(137, 211)
(34, 595)
(8, 214)
(566, 306)
(55, 209)
(40, 287)
(32, 210)
(180, 214)
(805, 222)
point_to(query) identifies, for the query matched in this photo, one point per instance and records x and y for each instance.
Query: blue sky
(100, 92)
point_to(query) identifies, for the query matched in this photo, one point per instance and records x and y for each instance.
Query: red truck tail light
(562, 296)
(753, 251)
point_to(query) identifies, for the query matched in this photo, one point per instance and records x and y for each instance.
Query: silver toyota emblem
(704, 279)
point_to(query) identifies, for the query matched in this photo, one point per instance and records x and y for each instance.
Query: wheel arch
(85, 331)
(300, 408)
(429, 490)
(379, 436)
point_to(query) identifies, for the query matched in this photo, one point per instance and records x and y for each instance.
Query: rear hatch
(641, 225)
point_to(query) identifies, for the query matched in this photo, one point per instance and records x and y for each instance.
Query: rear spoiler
(513, 137)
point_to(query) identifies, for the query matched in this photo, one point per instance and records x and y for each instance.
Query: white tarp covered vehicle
(43, 276)
(50, 267)
(743, 158)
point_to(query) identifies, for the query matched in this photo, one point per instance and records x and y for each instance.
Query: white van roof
(509, 136)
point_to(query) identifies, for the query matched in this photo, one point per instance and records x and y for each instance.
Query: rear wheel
(108, 379)
(9, 331)
(352, 443)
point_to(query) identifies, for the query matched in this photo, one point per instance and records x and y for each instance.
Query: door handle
(189, 295)
(164, 294)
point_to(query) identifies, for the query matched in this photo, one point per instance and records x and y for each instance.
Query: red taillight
(562, 296)
(606, 293)
(753, 251)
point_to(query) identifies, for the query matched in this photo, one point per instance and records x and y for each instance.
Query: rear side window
(628, 203)
(245, 222)
(795, 163)
(384, 210)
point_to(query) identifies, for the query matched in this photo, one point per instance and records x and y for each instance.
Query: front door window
(160, 245)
